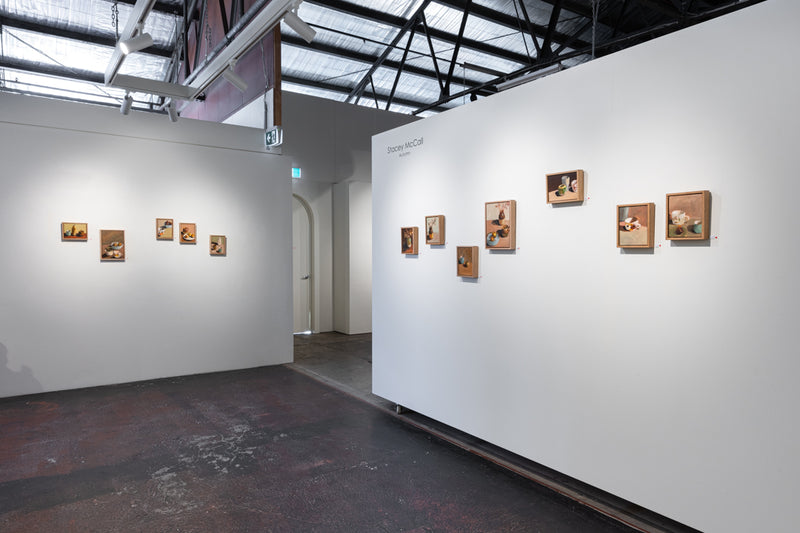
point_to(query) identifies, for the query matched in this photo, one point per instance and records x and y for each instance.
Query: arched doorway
(302, 265)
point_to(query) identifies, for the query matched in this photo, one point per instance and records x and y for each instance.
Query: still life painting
(635, 225)
(501, 230)
(434, 230)
(164, 229)
(112, 245)
(218, 245)
(467, 257)
(688, 215)
(74, 231)
(565, 187)
(409, 240)
(188, 233)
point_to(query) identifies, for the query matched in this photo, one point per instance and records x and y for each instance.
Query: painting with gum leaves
(409, 240)
(501, 225)
(434, 230)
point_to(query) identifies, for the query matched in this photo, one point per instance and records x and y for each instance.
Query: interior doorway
(302, 265)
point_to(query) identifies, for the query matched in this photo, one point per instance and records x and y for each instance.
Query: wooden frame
(688, 216)
(434, 230)
(74, 231)
(563, 187)
(188, 233)
(218, 245)
(164, 229)
(501, 225)
(467, 261)
(635, 225)
(112, 245)
(409, 240)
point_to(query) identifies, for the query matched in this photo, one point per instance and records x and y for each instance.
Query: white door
(301, 266)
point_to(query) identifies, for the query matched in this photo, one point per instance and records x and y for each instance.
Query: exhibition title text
(404, 149)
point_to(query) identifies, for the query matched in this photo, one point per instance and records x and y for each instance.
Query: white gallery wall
(668, 376)
(68, 320)
(331, 143)
(352, 240)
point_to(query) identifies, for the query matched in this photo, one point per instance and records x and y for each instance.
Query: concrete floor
(264, 449)
(345, 362)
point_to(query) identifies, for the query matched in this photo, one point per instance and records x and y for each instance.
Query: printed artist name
(404, 149)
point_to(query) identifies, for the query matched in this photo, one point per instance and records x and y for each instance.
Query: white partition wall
(667, 376)
(68, 320)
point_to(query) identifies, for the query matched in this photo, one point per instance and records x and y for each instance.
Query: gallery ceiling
(410, 56)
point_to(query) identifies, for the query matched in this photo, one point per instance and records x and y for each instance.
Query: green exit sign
(273, 136)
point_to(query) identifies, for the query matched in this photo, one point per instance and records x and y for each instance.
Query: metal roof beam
(457, 48)
(585, 10)
(503, 19)
(164, 8)
(83, 36)
(339, 89)
(359, 89)
(399, 70)
(345, 53)
(51, 70)
(667, 9)
(433, 55)
(555, 13)
(399, 22)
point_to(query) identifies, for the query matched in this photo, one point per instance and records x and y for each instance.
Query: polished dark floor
(268, 449)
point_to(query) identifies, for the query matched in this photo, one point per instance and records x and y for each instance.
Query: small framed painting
(410, 240)
(112, 245)
(434, 230)
(218, 245)
(635, 225)
(164, 229)
(501, 225)
(467, 257)
(74, 231)
(565, 187)
(688, 215)
(188, 233)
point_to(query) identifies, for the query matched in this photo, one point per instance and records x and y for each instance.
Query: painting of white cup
(679, 217)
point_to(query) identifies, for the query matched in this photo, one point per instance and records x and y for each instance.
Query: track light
(127, 102)
(535, 75)
(297, 24)
(234, 78)
(172, 112)
(134, 44)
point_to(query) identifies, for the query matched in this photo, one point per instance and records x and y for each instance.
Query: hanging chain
(595, 10)
(115, 18)
(2, 55)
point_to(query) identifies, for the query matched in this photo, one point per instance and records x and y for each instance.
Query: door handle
(305, 277)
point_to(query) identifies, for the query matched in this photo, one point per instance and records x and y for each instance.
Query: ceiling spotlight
(172, 112)
(297, 24)
(127, 102)
(234, 78)
(134, 44)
